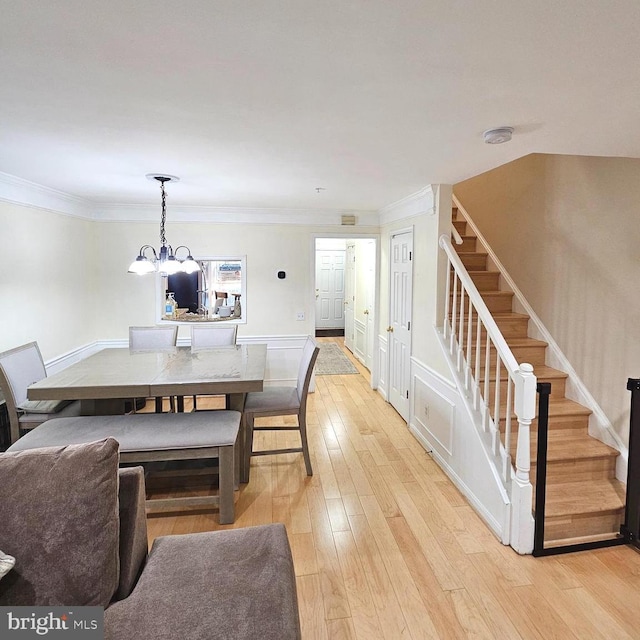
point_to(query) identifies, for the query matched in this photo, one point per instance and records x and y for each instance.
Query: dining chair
(281, 401)
(207, 337)
(153, 338)
(19, 368)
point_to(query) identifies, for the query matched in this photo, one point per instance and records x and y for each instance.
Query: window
(216, 293)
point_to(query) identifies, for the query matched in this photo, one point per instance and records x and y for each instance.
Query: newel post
(522, 523)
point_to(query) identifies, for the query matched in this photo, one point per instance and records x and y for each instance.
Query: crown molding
(23, 192)
(232, 215)
(417, 203)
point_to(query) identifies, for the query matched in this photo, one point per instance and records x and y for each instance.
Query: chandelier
(166, 260)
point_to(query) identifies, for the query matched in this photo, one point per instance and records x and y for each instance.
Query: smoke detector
(498, 136)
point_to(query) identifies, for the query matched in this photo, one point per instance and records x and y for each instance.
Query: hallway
(385, 546)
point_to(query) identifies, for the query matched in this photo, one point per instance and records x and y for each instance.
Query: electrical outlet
(300, 315)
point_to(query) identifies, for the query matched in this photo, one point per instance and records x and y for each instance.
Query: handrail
(456, 236)
(482, 309)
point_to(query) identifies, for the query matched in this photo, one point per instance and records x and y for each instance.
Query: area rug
(332, 361)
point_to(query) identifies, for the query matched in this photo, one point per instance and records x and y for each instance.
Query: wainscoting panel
(442, 423)
(437, 415)
(360, 338)
(383, 366)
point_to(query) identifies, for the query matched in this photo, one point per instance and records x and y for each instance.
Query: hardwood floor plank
(414, 610)
(384, 546)
(390, 616)
(363, 611)
(335, 600)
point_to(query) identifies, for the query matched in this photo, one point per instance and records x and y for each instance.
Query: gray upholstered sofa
(76, 525)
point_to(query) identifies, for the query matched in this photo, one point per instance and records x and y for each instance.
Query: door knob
(366, 312)
(390, 329)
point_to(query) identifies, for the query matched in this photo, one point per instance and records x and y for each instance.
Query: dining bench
(156, 437)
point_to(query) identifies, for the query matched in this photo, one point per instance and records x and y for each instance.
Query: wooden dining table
(102, 382)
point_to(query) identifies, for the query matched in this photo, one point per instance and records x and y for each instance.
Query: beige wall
(47, 280)
(64, 280)
(568, 231)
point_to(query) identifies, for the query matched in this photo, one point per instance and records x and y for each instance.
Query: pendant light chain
(163, 239)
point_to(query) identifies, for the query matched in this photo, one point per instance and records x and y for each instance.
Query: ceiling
(256, 103)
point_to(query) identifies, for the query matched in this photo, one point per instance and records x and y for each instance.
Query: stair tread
(572, 498)
(570, 446)
(540, 371)
(566, 407)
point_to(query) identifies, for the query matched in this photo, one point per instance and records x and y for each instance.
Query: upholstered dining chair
(19, 368)
(150, 338)
(208, 337)
(281, 401)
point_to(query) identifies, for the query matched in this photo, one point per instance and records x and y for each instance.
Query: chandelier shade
(165, 260)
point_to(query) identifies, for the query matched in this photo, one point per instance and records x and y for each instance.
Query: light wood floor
(386, 547)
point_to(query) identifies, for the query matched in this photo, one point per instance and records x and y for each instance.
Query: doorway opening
(346, 293)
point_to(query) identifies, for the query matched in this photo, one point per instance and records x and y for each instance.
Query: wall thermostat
(282, 275)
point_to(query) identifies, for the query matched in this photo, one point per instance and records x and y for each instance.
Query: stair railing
(502, 391)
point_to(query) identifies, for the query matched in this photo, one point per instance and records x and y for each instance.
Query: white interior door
(349, 296)
(399, 330)
(330, 283)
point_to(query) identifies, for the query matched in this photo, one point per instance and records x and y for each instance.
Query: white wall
(566, 228)
(48, 280)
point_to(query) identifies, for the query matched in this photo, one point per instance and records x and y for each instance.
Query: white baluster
(487, 374)
(461, 330)
(506, 468)
(476, 386)
(445, 324)
(496, 411)
(454, 303)
(467, 369)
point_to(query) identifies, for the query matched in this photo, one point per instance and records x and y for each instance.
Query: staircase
(584, 500)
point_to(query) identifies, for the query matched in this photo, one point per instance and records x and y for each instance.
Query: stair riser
(461, 226)
(533, 355)
(509, 327)
(468, 245)
(485, 281)
(557, 388)
(473, 262)
(496, 303)
(570, 424)
(578, 470)
(575, 526)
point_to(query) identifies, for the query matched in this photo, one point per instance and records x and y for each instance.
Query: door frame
(312, 293)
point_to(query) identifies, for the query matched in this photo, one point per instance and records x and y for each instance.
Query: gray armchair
(92, 550)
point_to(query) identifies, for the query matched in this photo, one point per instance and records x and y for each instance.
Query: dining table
(104, 381)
